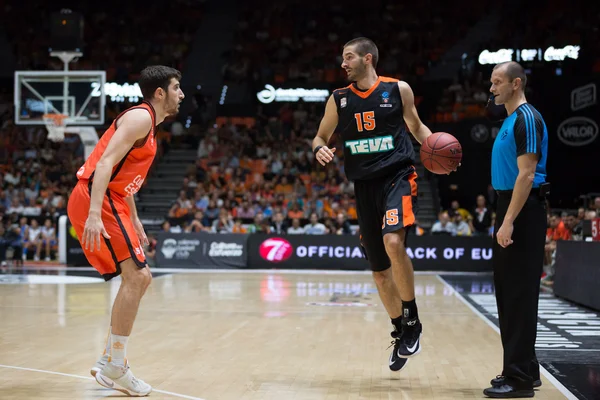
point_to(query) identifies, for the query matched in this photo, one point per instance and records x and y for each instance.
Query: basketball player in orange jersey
(370, 115)
(102, 211)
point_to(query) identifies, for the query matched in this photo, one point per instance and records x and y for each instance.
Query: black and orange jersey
(372, 129)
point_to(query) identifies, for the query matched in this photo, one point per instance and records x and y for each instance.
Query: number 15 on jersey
(365, 121)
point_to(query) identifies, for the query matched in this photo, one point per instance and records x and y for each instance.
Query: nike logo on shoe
(392, 359)
(104, 381)
(398, 364)
(413, 348)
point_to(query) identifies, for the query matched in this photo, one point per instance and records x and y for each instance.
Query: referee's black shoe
(499, 381)
(507, 391)
(410, 338)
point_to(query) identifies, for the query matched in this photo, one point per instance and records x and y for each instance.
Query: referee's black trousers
(517, 272)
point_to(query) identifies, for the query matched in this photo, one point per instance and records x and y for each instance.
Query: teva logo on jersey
(270, 94)
(276, 250)
(371, 145)
(179, 249)
(578, 131)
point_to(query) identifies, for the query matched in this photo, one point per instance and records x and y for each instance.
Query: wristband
(316, 150)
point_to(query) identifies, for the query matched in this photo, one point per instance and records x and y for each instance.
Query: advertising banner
(577, 273)
(428, 253)
(201, 250)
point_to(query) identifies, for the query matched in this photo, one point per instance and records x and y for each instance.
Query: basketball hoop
(55, 123)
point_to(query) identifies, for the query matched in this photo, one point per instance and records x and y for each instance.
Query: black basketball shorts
(384, 205)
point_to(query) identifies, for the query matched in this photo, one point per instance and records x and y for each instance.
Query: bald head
(513, 70)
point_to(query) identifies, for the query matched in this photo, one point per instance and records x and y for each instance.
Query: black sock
(409, 309)
(397, 322)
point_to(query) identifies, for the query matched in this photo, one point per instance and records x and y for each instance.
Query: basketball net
(55, 123)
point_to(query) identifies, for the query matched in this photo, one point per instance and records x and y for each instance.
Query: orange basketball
(441, 153)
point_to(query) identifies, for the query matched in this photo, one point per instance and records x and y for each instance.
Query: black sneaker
(507, 392)
(410, 338)
(499, 381)
(397, 363)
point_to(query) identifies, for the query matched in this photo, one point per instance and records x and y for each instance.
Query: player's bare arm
(131, 204)
(326, 129)
(137, 224)
(411, 117)
(133, 126)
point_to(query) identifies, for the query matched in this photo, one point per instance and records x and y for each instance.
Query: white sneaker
(122, 379)
(99, 365)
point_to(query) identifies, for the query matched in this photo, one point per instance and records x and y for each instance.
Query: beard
(172, 105)
(357, 72)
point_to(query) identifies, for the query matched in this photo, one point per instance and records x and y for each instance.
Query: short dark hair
(514, 70)
(365, 46)
(156, 76)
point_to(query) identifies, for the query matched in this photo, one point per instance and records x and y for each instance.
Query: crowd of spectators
(302, 41)
(466, 97)
(36, 176)
(246, 177)
(124, 35)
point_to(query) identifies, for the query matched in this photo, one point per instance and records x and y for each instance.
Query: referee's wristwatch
(316, 150)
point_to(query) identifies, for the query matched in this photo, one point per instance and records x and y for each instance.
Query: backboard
(78, 94)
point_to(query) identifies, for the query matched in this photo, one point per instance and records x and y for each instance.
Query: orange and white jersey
(129, 174)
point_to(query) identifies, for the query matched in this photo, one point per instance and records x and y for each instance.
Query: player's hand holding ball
(441, 153)
(324, 154)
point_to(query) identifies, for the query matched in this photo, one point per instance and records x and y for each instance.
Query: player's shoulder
(137, 121)
(341, 91)
(137, 114)
(387, 79)
(402, 87)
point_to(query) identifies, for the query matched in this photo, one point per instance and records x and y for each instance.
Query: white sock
(108, 341)
(118, 349)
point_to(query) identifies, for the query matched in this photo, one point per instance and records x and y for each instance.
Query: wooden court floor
(261, 335)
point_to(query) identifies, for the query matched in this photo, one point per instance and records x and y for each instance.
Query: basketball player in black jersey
(379, 157)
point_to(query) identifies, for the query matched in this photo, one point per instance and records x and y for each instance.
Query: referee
(519, 160)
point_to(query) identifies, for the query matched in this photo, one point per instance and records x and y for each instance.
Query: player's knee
(394, 240)
(143, 278)
(381, 277)
(148, 277)
(135, 276)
